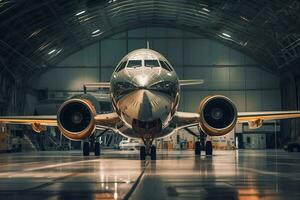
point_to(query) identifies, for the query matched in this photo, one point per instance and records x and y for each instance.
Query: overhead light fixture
(96, 31)
(244, 18)
(52, 51)
(245, 43)
(80, 13)
(226, 35)
(58, 51)
(95, 35)
(206, 10)
(35, 33)
(112, 1)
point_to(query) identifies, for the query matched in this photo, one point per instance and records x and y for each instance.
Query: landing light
(80, 13)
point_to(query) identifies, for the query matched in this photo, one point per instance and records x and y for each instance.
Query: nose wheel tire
(153, 153)
(142, 153)
(86, 148)
(208, 148)
(97, 149)
(197, 148)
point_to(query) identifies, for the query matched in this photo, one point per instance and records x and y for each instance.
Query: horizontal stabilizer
(191, 82)
(97, 85)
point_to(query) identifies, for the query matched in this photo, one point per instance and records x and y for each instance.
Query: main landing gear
(207, 148)
(199, 145)
(87, 146)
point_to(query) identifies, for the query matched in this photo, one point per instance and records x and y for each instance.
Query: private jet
(145, 93)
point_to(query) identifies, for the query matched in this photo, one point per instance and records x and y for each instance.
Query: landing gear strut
(86, 148)
(89, 146)
(197, 148)
(97, 149)
(208, 148)
(151, 151)
(202, 145)
(148, 149)
(142, 153)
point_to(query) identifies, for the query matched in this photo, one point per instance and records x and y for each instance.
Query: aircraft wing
(42, 120)
(191, 82)
(39, 123)
(254, 119)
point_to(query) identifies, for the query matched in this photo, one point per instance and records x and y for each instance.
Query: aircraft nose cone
(145, 105)
(142, 81)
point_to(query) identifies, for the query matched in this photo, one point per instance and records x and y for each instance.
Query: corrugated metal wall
(225, 70)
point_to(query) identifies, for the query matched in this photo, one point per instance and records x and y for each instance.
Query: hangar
(53, 52)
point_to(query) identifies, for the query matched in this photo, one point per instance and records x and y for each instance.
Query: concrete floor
(175, 175)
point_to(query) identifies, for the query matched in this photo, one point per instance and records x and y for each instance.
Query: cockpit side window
(134, 63)
(151, 63)
(121, 66)
(165, 65)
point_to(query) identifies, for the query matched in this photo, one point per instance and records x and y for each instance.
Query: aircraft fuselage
(145, 91)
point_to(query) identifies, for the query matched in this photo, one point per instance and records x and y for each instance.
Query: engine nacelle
(218, 115)
(76, 118)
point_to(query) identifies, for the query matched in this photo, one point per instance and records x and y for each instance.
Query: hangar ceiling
(36, 34)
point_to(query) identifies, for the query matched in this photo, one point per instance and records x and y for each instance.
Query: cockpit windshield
(151, 63)
(121, 66)
(165, 65)
(134, 63)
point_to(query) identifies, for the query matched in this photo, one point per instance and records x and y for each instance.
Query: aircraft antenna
(148, 45)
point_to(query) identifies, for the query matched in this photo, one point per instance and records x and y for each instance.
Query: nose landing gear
(144, 151)
(148, 149)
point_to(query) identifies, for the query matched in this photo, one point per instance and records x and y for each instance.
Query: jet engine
(76, 118)
(218, 115)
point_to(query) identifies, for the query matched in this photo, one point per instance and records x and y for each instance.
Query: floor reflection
(175, 175)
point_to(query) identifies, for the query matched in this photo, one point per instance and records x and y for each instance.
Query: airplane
(145, 93)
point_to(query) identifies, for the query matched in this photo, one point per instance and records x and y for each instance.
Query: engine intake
(218, 115)
(76, 119)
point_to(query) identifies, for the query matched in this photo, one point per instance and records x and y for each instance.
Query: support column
(290, 129)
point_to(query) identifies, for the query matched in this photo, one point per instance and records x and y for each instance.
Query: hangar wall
(225, 70)
(290, 90)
